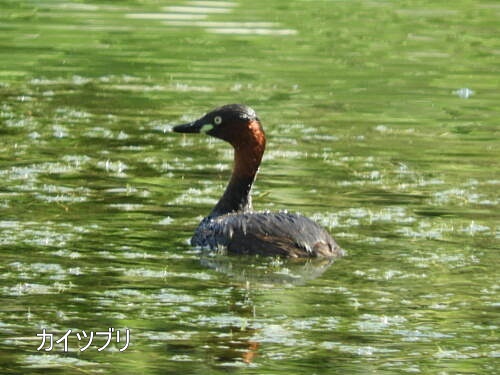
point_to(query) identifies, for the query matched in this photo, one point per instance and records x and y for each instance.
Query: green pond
(382, 119)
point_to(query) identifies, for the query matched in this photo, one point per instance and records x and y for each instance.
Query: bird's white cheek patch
(206, 128)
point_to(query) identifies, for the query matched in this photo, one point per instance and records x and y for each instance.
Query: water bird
(233, 224)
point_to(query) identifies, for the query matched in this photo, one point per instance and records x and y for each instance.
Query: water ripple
(195, 13)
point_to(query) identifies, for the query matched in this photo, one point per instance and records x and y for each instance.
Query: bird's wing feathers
(268, 234)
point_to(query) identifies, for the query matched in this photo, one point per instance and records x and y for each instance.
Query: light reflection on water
(196, 13)
(386, 138)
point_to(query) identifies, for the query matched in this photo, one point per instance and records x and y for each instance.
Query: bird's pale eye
(217, 120)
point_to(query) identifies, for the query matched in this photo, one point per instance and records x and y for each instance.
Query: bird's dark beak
(192, 127)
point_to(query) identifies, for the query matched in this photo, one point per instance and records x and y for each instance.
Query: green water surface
(382, 120)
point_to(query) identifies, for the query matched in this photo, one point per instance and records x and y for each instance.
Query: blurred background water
(382, 124)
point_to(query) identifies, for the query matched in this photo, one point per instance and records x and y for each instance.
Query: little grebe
(233, 224)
